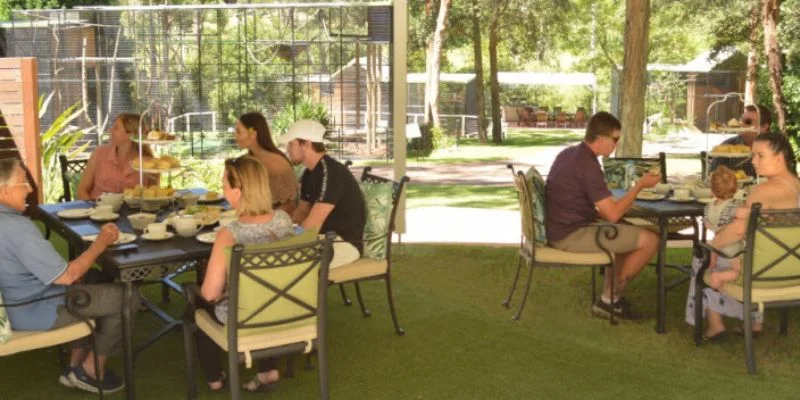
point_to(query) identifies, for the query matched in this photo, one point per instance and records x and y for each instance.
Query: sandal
(718, 338)
(255, 385)
(221, 379)
(739, 330)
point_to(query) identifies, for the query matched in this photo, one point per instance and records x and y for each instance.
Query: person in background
(578, 193)
(253, 134)
(31, 269)
(109, 168)
(749, 118)
(245, 185)
(330, 198)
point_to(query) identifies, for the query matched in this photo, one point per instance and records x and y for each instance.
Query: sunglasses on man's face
(615, 138)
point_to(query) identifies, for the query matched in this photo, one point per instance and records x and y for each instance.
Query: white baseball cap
(306, 129)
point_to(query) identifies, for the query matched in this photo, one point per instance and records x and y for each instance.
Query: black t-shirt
(331, 182)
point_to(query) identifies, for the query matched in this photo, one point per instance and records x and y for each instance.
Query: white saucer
(706, 200)
(123, 238)
(75, 213)
(681, 199)
(649, 196)
(167, 235)
(207, 237)
(104, 218)
(204, 198)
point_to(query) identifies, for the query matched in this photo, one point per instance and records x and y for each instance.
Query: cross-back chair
(381, 197)
(770, 275)
(277, 305)
(13, 342)
(71, 172)
(533, 249)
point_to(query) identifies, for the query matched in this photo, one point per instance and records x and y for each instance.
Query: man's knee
(648, 240)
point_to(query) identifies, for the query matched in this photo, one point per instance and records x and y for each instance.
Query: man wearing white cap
(330, 198)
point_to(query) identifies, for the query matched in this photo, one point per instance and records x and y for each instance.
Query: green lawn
(476, 196)
(461, 344)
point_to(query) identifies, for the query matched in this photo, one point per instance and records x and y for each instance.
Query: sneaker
(81, 380)
(64, 377)
(622, 310)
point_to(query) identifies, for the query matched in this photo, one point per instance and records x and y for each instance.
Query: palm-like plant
(59, 138)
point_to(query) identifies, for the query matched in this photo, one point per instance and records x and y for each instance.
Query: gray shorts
(583, 240)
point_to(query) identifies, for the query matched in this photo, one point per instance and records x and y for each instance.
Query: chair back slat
(773, 244)
(71, 171)
(525, 206)
(275, 286)
(371, 248)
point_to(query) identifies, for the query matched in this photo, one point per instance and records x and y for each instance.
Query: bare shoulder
(275, 163)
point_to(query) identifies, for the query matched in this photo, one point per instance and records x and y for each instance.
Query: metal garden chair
(770, 276)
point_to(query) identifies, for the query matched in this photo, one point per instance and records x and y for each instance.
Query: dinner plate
(730, 155)
(207, 237)
(104, 218)
(123, 238)
(75, 213)
(165, 236)
(204, 198)
(706, 200)
(681, 199)
(649, 196)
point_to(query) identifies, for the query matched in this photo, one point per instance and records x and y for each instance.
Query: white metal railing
(187, 120)
(416, 118)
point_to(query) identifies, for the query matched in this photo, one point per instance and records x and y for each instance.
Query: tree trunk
(771, 16)
(497, 128)
(479, 89)
(370, 97)
(433, 65)
(750, 93)
(634, 77)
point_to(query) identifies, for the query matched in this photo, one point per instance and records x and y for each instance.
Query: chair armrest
(74, 301)
(607, 231)
(191, 291)
(706, 248)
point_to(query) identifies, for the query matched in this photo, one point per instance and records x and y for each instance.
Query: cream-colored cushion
(219, 335)
(760, 295)
(31, 340)
(550, 255)
(361, 268)
(671, 228)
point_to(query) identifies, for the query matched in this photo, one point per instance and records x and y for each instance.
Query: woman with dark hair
(774, 159)
(109, 168)
(253, 134)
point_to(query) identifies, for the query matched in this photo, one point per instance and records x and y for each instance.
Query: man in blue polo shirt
(31, 269)
(577, 186)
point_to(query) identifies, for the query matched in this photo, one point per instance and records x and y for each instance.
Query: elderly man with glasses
(577, 194)
(32, 271)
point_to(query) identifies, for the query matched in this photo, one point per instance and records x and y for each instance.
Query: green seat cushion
(253, 295)
(766, 252)
(537, 195)
(5, 324)
(378, 200)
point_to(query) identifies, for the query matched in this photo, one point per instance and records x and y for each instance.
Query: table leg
(127, 341)
(661, 309)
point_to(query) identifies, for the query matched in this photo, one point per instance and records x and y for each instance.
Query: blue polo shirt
(28, 266)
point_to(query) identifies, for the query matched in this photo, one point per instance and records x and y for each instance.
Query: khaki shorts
(583, 240)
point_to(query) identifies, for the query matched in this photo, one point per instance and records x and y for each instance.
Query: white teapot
(187, 225)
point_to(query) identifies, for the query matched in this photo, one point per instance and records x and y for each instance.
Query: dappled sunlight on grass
(495, 197)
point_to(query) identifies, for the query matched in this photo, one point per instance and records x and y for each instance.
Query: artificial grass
(461, 343)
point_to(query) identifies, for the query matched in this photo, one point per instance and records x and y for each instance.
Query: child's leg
(719, 278)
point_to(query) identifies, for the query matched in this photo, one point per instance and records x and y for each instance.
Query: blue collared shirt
(28, 266)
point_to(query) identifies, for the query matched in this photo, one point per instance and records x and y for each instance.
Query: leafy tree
(6, 6)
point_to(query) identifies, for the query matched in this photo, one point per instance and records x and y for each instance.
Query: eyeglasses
(614, 138)
(20, 184)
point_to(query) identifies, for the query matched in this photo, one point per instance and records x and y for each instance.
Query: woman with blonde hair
(245, 185)
(109, 168)
(253, 134)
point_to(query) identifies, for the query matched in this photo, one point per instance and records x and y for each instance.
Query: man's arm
(613, 210)
(301, 212)
(316, 217)
(78, 267)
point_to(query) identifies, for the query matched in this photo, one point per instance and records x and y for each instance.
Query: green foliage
(59, 138)
(6, 6)
(305, 108)
(666, 94)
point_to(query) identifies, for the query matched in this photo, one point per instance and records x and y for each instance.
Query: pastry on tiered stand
(157, 165)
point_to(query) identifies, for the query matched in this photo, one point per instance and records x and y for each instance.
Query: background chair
(541, 118)
(381, 196)
(770, 276)
(580, 118)
(71, 171)
(533, 250)
(13, 342)
(277, 305)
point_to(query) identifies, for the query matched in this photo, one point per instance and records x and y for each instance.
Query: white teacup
(103, 210)
(662, 188)
(156, 230)
(112, 199)
(140, 221)
(188, 199)
(682, 193)
(187, 225)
